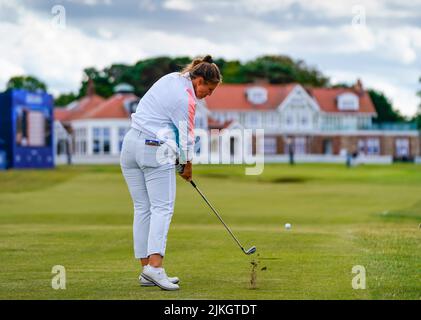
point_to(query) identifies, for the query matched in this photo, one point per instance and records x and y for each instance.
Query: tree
(64, 99)
(142, 75)
(417, 117)
(29, 83)
(384, 108)
(282, 69)
(232, 71)
(341, 85)
(102, 81)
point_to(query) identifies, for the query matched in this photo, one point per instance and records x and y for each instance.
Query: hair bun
(208, 59)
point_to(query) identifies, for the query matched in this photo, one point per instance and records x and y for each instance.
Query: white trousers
(152, 189)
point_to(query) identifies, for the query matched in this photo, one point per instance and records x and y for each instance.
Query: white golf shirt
(166, 112)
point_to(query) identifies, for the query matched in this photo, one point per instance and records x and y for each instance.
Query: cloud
(98, 33)
(92, 2)
(396, 47)
(178, 5)
(148, 5)
(7, 69)
(402, 95)
(56, 55)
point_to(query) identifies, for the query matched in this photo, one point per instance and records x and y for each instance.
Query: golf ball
(287, 226)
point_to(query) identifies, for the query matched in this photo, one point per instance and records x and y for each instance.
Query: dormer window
(289, 120)
(257, 95)
(348, 102)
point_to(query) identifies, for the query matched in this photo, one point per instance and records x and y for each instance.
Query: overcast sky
(378, 41)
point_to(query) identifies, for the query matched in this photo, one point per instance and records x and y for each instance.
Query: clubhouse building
(317, 124)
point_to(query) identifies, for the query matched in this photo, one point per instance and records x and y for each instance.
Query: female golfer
(161, 131)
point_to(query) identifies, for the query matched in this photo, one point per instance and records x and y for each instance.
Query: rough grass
(80, 217)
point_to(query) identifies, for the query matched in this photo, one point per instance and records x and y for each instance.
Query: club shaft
(216, 213)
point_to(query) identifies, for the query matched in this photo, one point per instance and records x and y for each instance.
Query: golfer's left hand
(188, 172)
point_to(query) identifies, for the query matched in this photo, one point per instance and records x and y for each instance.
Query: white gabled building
(95, 127)
(322, 124)
(319, 124)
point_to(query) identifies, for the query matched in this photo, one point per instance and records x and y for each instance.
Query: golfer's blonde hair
(205, 68)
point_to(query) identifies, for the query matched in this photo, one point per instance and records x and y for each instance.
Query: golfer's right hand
(188, 172)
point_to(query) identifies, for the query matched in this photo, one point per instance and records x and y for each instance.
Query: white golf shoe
(146, 283)
(158, 277)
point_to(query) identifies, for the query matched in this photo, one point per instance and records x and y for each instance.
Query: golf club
(249, 251)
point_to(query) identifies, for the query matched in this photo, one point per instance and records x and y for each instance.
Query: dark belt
(151, 142)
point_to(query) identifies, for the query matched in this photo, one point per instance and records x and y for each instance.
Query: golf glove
(179, 167)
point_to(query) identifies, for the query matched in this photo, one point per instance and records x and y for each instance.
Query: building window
(402, 147)
(300, 145)
(97, 140)
(361, 146)
(349, 123)
(270, 145)
(271, 120)
(80, 141)
(232, 146)
(252, 120)
(106, 141)
(373, 146)
(348, 101)
(101, 141)
(327, 146)
(257, 95)
(61, 146)
(289, 120)
(121, 133)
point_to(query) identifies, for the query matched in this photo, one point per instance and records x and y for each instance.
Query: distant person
(68, 151)
(290, 151)
(348, 159)
(354, 158)
(164, 116)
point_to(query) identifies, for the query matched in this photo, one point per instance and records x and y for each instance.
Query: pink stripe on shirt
(192, 111)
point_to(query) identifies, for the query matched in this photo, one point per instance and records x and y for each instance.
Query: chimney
(358, 87)
(91, 88)
(260, 81)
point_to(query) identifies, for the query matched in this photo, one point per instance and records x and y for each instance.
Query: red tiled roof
(233, 97)
(61, 114)
(96, 107)
(80, 107)
(85, 105)
(327, 99)
(111, 108)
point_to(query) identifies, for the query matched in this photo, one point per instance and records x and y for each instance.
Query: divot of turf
(253, 274)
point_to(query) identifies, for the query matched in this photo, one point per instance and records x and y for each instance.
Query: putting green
(80, 217)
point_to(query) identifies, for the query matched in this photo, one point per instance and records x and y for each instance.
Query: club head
(251, 250)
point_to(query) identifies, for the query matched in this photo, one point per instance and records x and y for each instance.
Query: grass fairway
(80, 217)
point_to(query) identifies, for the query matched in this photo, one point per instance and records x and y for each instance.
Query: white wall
(112, 124)
(298, 117)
